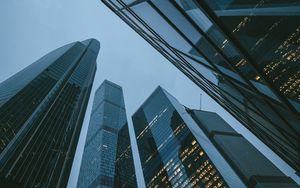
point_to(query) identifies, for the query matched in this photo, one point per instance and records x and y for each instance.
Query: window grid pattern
(170, 154)
(191, 38)
(104, 148)
(49, 111)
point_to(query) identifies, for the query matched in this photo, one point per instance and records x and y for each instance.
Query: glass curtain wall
(244, 54)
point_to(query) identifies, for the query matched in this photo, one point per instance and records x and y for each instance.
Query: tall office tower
(41, 112)
(244, 54)
(177, 151)
(103, 152)
(251, 166)
(124, 166)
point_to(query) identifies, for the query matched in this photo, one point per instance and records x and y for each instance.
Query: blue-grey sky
(32, 28)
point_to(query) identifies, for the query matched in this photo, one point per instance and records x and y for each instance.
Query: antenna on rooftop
(200, 101)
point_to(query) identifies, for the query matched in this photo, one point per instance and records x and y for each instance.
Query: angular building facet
(251, 166)
(41, 113)
(107, 143)
(180, 147)
(244, 54)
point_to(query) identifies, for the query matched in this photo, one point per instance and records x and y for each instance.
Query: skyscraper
(244, 54)
(124, 167)
(41, 112)
(103, 152)
(252, 167)
(180, 147)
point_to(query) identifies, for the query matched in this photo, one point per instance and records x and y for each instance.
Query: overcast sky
(32, 28)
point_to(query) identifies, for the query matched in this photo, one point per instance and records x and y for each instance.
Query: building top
(158, 89)
(160, 114)
(211, 121)
(12, 85)
(109, 92)
(93, 44)
(251, 165)
(110, 83)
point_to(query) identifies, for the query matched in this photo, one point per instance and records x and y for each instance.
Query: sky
(32, 28)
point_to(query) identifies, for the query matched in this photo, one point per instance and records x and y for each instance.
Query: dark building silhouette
(7, 183)
(180, 147)
(41, 112)
(107, 157)
(244, 54)
(124, 167)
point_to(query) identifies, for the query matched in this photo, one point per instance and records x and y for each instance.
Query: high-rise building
(244, 54)
(41, 112)
(180, 147)
(251, 166)
(104, 151)
(124, 167)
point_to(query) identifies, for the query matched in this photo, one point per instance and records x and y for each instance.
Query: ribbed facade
(244, 54)
(41, 112)
(102, 146)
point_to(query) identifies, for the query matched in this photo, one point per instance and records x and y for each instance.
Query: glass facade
(172, 152)
(41, 112)
(108, 117)
(251, 165)
(124, 166)
(244, 54)
(5, 182)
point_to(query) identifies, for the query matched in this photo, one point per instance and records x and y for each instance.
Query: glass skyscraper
(251, 166)
(41, 112)
(124, 167)
(244, 54)
(180, 147)
(104, 152)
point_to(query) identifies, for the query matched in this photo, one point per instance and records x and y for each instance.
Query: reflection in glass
(244, 54)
